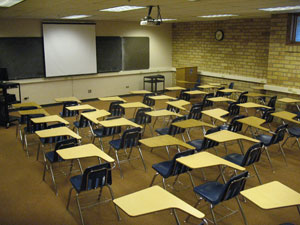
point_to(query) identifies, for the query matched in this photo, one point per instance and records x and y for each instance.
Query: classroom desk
(26, 104)
(163, 141)
(112, 99)
(255, 122)
(67, 99)
(288, 116)
(220, 99)
(206, 159)
(252, 105)
(33, 111)
(59, 131)
(196, 92)
(225, 136)
(84, 151)
(140, 92)
(80, 107)
(216, 114)
(118, 122)
(134, 105)
(290, 101)
(206, 86)
(50, 119)
(176, 88)
(95, 115)
(161, 97)
(179, 104)
(272, 195)
(191, 123)
(228, 90)
(154, 199)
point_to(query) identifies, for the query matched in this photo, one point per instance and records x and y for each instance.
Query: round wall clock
(219, 35)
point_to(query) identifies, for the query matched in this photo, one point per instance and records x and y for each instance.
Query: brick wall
(284, 59)
(243, 51)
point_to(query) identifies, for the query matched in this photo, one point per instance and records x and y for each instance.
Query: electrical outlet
(127, 86)
(26, 98)
(89, 91)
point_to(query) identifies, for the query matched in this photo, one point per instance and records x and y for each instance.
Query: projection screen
(69, 49)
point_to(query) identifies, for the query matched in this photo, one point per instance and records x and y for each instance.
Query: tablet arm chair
(243, 98)
(172, 168)
(22, 120)
(102, 132)
(115, 109)
(143, 119)
(206, 102)
(172, 130)
(275, 138)
(94, 177)
(267, 115)
(149, 101)
(67, 113)
(250, 158)
(271, 103)
(214, 193)
(83, 122)
(130, 138)
(219, 93)
(293, 132)
(52, 157)
(230, 86)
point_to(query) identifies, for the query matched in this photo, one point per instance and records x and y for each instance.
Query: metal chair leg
(241, 209)
(258, 177)
(118, 162)
(79, 209)
(283, 154)
(113, 197)
(268, 156)
(195, 206)
(176, 217)
(213, 214)
(141, 155)
(69, 198)
(155, 175)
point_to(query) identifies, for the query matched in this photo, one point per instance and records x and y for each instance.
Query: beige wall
(45, 90)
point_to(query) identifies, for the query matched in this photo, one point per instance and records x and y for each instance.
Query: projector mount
(148, 20)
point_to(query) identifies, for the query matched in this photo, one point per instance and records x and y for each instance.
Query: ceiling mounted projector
(149, 21)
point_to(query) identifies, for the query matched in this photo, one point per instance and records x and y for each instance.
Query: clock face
(219, 35)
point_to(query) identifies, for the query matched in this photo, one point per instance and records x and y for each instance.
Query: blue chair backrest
(109, 131)
(207, 103)
(131, 137)
(243, 98)
(252, 155)
(279, 134)
(115, 109)
(234, 186)
(177, 168)
(196, 112)
(272, 102)
(96, 176)
(32, 127)
(234, 125)
(148, 101)
(68, 143)
(56, 138)
(231, 85)
(173, 130)
(84, 122)
(172, 108)
(184, 96)
(207, 143)
(233, 109)
(68, 113)
(219, 93)
(141, 117)
(267, 115)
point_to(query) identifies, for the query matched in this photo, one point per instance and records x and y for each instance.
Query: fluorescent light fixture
(122, 8)
(214, 16)
(168, 20)
(76, 17)
(284, 8)
(9, 3)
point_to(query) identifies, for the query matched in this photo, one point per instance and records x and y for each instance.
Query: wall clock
(219, 35)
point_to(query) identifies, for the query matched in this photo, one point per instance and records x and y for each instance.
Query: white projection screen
(69, 49)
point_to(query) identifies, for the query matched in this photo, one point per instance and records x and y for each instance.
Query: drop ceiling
(182, 10)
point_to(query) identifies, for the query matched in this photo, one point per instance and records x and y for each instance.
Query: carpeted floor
(26, 199)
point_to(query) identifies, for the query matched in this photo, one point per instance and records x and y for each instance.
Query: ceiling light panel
(215, 16)
(284, 8)
(122, 8)
(76, 17)
(9, 3)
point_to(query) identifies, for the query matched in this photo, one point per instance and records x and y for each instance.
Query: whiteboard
(69, 49)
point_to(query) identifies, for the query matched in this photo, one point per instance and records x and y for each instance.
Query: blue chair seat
(116, 144)
(265, 139)
(51, 157)
(235, 158)
(294, 131)
(211, 191)
(162, 131)
(224, 127)
(76, 123)
(76, 182)
(198, 144)
(98, 132)
(163, 168)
